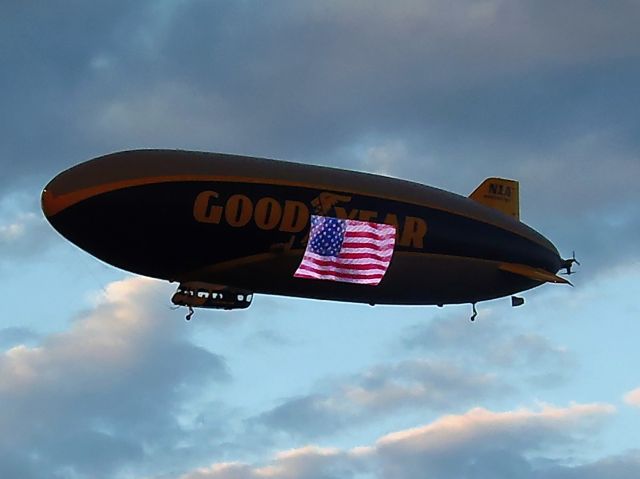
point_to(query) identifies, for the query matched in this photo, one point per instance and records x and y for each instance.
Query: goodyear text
(291, 216)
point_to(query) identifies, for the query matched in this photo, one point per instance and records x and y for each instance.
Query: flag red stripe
(382, 262)
(345, 265)
(368, 235)
(309, 275)
(356, 244)
(340, 274)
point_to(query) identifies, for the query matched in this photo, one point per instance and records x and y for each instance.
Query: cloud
(521, 429)
(439, 92)
(267, 337)
(623, 466)
(15, 335)
(25, 235)
(445, 73)
(413, 89)
(308, 462)
(24, 232)
(497, 347)
(632, 398)
(482, 443)
(459, 75)
(377, 392)
(479, 443)
(106, 393)
(460, 365)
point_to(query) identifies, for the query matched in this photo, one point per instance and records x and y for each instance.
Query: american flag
(347, 250)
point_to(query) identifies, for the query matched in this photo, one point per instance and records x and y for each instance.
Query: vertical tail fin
(501, 194)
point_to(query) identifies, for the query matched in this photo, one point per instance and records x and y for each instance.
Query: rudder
(500, 194)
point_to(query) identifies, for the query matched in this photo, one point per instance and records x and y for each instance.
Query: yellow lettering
(267, 213)
(392, 219)
(342, 213)
(366, 215)
(238, 211)
(413, 232)
(295, 217)
(204, 208)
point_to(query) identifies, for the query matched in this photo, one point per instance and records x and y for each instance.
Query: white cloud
(632, 398)
(24, 231)
(21, 235)
(451, 446)
(501, 429)
(304, 462)
(105, 392)
(13, 231)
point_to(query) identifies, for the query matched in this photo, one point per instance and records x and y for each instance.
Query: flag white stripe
(361, 226)
(382, 263)
(363, 249)
(341, 280)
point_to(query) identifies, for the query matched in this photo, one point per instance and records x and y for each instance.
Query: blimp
(225, 227)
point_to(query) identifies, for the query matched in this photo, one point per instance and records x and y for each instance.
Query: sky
(100, 378)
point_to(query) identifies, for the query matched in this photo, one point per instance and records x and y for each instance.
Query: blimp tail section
(500, 194)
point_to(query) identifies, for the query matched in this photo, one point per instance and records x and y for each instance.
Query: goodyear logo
(290, 216)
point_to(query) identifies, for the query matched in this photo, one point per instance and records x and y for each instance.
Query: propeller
(568, 263)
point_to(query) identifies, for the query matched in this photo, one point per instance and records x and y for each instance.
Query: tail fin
(501, 194)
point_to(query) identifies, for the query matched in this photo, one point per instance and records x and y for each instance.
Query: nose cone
(72, 204)
(73, 186)
(47, 201)
(114, 208)
(51, 201)
(60, 195)
(55, 202)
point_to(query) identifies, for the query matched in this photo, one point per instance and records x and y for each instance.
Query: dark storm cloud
(46, 53)
(106, 393)
(308, 80)
(540, 91)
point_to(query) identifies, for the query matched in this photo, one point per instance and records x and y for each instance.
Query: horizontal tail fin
(501, 194)
(536, 274)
